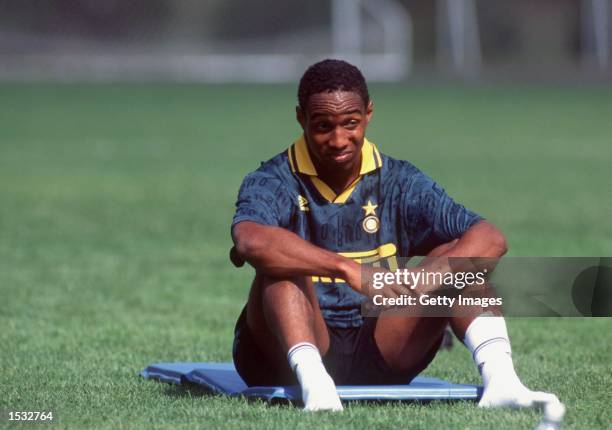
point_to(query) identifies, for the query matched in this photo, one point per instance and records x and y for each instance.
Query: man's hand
(360, 278)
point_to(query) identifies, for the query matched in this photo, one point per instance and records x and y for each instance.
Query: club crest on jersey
(370, 223)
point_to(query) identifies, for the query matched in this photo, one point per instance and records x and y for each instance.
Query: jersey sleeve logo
(370, 223)
(303, 204)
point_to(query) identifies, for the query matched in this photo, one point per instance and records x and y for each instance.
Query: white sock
(487, 339)
(303, 353)
(318, 388)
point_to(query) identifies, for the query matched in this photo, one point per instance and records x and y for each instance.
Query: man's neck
(339, 181)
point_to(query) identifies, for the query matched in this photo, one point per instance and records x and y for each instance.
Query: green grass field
(115, 206)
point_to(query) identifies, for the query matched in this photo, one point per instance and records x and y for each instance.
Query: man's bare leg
(285, 318)
(404, 341)
(281, 313)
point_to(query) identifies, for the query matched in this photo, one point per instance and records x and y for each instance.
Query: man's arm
(478, 249)
(482, 239)
(277, 252)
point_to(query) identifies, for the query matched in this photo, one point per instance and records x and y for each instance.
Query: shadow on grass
(193, 390)
(189, 390)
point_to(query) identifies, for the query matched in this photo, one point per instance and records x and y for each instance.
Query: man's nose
(339, 138)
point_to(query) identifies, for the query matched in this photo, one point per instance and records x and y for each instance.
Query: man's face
(334, 125)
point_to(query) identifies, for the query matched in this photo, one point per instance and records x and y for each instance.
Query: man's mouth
(340, 157)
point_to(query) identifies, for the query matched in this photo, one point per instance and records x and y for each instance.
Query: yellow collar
(300, 161)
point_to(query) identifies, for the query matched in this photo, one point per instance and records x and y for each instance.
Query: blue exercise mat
(222, 378)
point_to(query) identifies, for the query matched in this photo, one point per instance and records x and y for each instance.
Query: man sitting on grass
(305, 219)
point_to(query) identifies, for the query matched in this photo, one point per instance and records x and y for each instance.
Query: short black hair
(331, 75)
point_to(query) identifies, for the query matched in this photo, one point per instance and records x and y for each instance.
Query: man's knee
(278, 288)
(288, 282)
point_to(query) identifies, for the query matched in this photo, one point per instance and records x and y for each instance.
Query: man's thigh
(394, 351)
(404, 342)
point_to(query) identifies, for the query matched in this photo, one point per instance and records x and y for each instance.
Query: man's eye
(322, 127)
(352, 123)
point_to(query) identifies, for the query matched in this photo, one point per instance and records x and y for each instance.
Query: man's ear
(369, 110)
(300, 116)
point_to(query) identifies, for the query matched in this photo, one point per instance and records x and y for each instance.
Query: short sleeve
(432, 216)
(263, 199)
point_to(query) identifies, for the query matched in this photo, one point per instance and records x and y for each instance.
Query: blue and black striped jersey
(391, 210)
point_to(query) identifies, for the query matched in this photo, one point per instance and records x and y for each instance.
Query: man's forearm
(478, 249)
(277, 252)
(483, 239)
